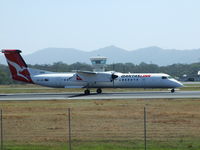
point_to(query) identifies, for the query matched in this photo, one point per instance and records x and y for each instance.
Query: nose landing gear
(172, 90)
(87, 91)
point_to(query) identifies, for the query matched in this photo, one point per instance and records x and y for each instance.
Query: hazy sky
(31, 25)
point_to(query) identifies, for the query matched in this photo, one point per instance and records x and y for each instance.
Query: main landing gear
(99, 91)
(87, 91)
(172, 90)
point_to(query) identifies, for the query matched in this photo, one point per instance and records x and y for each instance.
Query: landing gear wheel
(99, 91)
(87, 92)
(172, 90)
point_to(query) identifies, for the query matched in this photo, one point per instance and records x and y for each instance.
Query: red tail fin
(17, 65)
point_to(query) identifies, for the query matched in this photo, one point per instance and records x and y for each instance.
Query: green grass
(35, 147)
(190, 88)
(127, 145)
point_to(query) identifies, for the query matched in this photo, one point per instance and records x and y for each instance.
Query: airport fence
(108, 128)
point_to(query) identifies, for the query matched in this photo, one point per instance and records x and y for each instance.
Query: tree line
(175, 70)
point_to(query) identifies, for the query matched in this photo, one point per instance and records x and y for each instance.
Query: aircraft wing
(90, 76)
(86, 73)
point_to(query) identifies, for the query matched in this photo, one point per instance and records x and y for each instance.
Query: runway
(109, 95)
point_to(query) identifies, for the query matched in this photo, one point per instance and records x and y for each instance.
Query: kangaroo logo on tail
(18, 67)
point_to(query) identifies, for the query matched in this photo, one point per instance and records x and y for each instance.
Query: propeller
(113, 77)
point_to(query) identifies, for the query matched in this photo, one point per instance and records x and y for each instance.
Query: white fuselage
(103, 80)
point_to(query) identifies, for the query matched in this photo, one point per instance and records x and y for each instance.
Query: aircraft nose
(178, 84)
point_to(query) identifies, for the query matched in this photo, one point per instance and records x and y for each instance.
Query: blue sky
(31, 25)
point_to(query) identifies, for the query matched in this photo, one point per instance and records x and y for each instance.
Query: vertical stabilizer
(17, 65)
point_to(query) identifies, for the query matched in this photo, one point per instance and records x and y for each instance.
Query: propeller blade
(113, 76)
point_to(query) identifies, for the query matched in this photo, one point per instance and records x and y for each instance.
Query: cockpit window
(163, 77)
(169, 77)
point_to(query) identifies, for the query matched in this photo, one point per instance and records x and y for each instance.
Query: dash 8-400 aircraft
(85, 79)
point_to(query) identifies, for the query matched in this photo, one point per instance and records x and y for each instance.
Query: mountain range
(154, 55)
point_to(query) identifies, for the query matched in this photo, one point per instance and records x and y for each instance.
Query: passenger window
(46, 79)
(163, 77)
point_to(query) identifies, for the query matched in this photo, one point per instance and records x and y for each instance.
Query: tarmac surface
(106, 95)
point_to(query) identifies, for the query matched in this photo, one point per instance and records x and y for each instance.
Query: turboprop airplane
(85, 79)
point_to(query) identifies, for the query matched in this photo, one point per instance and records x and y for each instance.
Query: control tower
(98, 63)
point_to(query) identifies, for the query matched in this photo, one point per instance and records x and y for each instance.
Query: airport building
(98, 63)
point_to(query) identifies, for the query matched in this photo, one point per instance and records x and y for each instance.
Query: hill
(155, 55)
